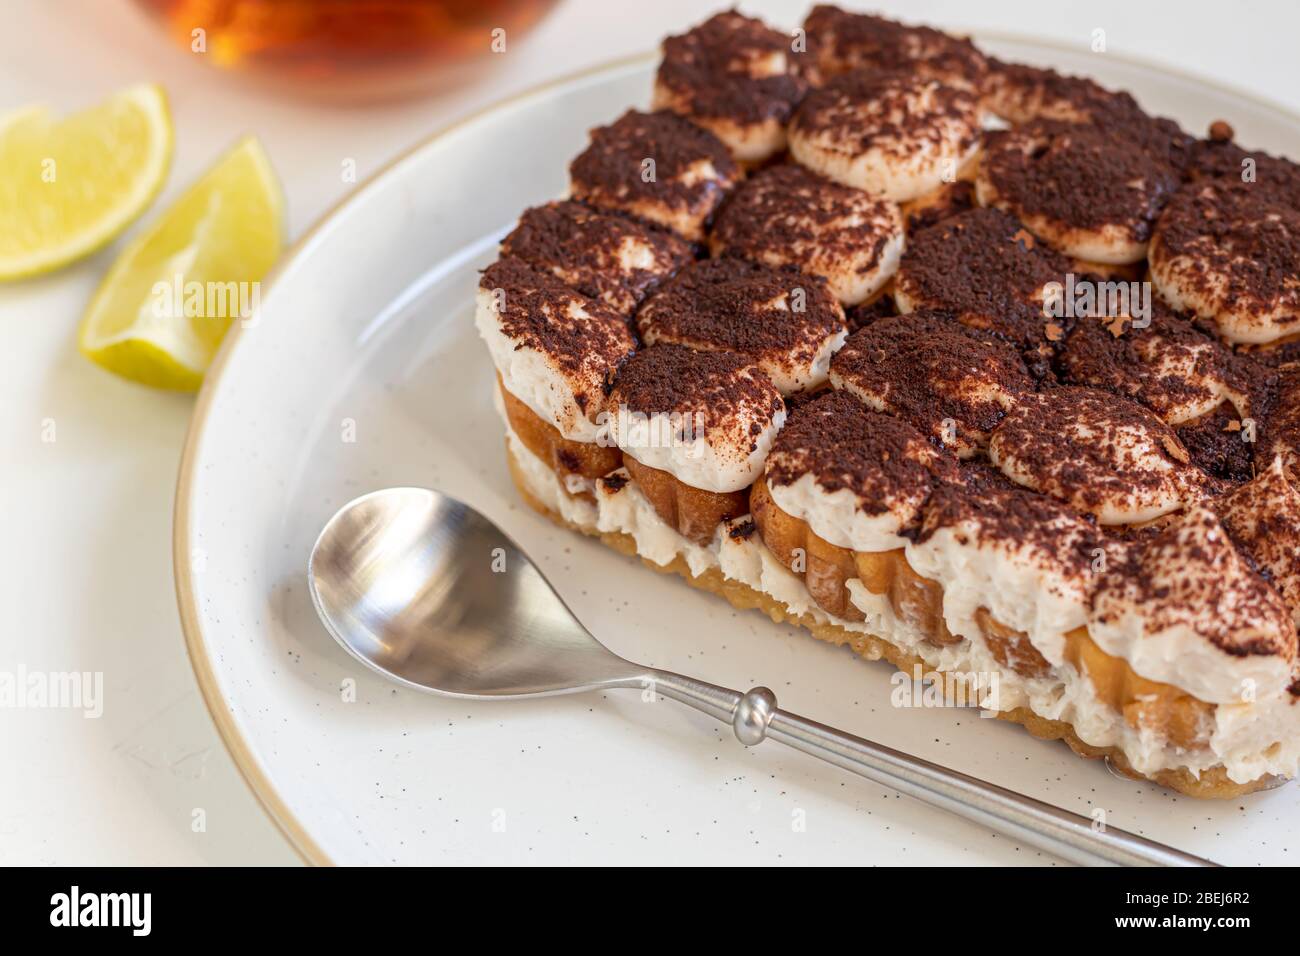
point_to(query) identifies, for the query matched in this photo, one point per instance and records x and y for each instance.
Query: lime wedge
(165, 305)
(68, 187)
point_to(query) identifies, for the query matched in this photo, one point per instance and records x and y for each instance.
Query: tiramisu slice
(951, 382)
(603, 256)
(694, 428)
(736, 77)
(657, 167)
(1088, 506)
(787, 322)
(788, 216)
(555, 352)
(894, 134)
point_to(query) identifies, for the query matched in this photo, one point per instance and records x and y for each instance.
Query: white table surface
(85, 520)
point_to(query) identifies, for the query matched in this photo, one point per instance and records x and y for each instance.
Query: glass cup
(348, 49)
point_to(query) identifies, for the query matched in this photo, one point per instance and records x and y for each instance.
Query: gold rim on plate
(250, 768)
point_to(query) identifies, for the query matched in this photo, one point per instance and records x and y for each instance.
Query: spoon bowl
(428, 592)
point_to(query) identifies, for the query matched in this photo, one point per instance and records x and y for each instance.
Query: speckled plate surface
(364, 371)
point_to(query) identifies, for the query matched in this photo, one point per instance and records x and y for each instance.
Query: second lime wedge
(165, 305)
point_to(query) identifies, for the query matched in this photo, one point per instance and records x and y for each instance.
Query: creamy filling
(709, 462)
(1248, 739)
(838, 516)
(1017, 590)
(1178, 655)
(533, 377)
(628, 511)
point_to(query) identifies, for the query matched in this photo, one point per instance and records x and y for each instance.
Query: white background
(85, 521)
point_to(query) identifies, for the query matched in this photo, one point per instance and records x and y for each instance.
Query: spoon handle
(755, 717)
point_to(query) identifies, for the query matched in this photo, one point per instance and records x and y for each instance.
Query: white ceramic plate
(364, 371)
